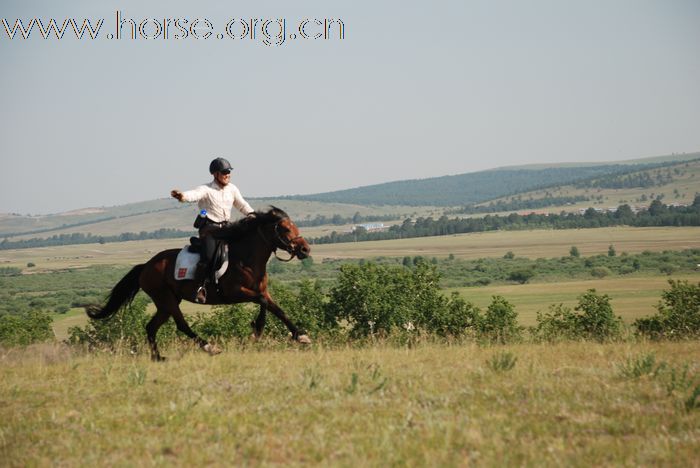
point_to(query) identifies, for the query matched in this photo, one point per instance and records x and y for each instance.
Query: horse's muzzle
(303, 252)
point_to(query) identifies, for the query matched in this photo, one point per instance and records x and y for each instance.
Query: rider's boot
(201, 277)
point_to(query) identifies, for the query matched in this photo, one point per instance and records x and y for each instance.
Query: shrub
(521, 276)
(127, 327)
(500, 322)
(374, 300)
(640, 366)
(611, 251)
(483, 281)
(597, 320)
(502, 362)
(679, 313)
(224, 322)
(592, 318)
(600, 272)
(305, 307)
(560, 323)
(456, 319)
(573, 252)
(26, 328)
(10, 271)
(693, 400)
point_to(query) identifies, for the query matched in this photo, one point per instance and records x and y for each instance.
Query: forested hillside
(471, 188)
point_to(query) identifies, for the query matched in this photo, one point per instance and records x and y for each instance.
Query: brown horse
(251, 241)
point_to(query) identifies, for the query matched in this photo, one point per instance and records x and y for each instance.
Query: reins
(285, 242)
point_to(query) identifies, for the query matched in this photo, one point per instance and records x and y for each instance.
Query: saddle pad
(186, 265)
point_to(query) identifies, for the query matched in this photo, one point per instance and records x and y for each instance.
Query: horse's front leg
(297, 334)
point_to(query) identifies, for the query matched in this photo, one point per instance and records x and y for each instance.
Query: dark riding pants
(208, 243)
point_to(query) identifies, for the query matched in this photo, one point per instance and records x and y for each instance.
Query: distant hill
(671, 182)
(474, 187)
(401, 199)
(167, 213)
(670, 158)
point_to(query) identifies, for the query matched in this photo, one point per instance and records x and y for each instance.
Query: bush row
(374, 301)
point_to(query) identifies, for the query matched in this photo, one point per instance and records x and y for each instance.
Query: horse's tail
(122, 294)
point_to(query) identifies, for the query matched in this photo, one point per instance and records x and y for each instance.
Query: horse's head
(284, 234)
(287, 238)
(275, 228)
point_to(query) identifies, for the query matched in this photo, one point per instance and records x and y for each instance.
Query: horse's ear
(280, 212)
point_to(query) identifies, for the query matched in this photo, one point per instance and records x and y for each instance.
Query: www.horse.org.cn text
(267, 31)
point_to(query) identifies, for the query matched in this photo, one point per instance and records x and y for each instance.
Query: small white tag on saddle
(186, 265)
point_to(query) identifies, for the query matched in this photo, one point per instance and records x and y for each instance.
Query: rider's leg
(203, 267)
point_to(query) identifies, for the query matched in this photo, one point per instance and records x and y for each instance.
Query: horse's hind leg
(152, 327)
(259, 323)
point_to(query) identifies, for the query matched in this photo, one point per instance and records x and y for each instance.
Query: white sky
(416, 89)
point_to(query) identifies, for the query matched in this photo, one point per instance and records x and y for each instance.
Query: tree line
(518, 203)
(81, 238)
(657, 214)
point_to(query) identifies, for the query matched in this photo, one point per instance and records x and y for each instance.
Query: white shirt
(217, 200)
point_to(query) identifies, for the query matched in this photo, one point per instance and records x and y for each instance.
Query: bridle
(287, 244)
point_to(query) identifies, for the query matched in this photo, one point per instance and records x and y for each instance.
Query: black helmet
(219, 165)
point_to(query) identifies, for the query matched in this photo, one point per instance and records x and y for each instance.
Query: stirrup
(201, 295)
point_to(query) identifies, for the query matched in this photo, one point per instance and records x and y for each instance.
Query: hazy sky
(415, 89)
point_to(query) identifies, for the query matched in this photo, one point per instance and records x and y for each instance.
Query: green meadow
(571, 404)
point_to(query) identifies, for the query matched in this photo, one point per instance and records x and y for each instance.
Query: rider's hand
(176, 194)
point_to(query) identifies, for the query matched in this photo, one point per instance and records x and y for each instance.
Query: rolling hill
(478, 187)
(676, 183)
(400, 199)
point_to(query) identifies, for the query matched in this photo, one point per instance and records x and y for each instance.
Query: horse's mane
(243, 226)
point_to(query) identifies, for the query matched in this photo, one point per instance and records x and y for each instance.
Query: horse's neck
(250, 253)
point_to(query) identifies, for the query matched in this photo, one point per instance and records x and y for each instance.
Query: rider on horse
(216, 198)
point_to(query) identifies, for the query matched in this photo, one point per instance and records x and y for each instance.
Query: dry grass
(431, 405)
(531, 244)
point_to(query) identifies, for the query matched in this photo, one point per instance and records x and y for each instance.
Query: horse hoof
(157, 359)
(254, 338)
(304, 339)
(211, 349)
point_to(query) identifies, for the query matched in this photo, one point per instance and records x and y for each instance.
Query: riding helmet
(218, 165)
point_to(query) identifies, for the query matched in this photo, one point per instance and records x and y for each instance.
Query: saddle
(187, 259)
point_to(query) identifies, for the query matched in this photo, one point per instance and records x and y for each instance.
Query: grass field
(532, 244)
(560, 405)
(632, 298)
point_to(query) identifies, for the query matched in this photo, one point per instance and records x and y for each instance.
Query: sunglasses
(224, 172)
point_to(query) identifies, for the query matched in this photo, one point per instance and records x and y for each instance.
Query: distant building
(369, 227)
